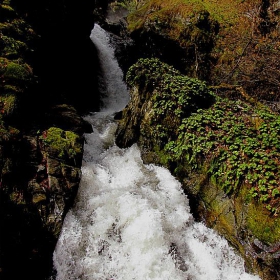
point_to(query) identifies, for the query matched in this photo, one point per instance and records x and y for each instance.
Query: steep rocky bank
(48, 80)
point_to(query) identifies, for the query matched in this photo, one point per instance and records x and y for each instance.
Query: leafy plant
(239, 153)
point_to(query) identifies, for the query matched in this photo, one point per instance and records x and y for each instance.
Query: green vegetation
(63, 144)
(178, 19)
(176, 15)
(176, 97)
(233, 142)
(241, 144)
(239, 39)
(7, 133)
(15, 72)
(16, 75)
(8, 103)
(130, 5)
(261, 226)
(12, 47)
(148, 73)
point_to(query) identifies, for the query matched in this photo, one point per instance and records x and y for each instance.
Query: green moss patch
(11, 47)
(15, 73)
(7, 133)
(185, 21)
(8, 103)
(61, 144)
(262, 226)
(178, 14)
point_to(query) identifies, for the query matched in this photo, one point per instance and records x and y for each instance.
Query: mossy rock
(8, 133)
(15, 73)
(39, 198)
(264, 226)
(8, 102)
(11, 48)
(171, 17)
(61, 144)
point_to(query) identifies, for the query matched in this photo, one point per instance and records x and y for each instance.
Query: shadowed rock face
(35, 196)
(65, 58)
(41, 139)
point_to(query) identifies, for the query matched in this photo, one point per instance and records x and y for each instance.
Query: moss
(17, 29)
(174, 18)
(60, 143)
(220, 210)
(7, 168)
(17, 71)
(8, 102)
(8, 133)
(17, 198)
(263, 226)
(15, 75)
(11, 47)
(14, 40)
(39, 198)
(178, 14)
(10, 90)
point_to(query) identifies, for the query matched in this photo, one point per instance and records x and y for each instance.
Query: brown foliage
(247, 53)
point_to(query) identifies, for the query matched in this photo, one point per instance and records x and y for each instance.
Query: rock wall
(48, 80)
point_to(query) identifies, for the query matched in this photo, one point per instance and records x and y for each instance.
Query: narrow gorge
(139, 139)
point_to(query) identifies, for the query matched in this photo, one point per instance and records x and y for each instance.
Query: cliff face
(48, 79)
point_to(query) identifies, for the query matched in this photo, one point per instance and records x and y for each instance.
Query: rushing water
(131, 220)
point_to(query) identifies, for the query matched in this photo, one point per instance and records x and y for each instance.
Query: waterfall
(131, 220)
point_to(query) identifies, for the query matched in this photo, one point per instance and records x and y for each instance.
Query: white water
(130, 220)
